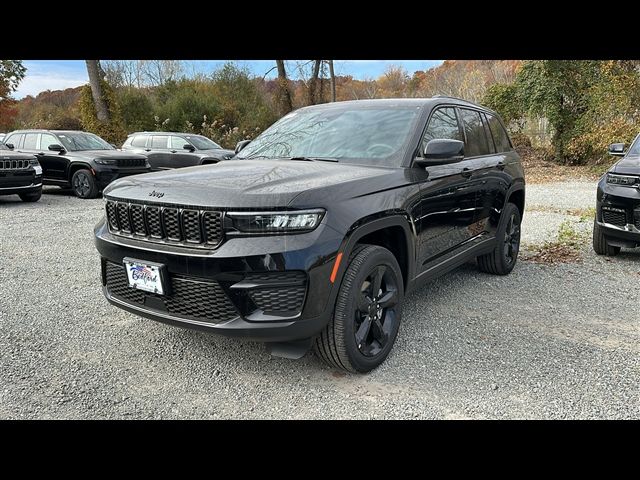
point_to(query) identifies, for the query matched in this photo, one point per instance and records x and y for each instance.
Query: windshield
(635, 147)
(375, 135)
(202, 143)
(77, 141)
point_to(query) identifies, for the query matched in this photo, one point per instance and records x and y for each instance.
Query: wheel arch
(515, 195)
(392, 232)
(75, 166)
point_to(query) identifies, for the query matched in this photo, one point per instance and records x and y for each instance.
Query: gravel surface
(558, 341)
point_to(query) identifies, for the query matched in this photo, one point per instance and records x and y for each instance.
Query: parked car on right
(167, 150)
(617, 222)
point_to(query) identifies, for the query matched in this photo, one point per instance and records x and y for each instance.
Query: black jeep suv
(316, 230)
(617, 222)
(165, 150)
(80, 160)
(20, 174)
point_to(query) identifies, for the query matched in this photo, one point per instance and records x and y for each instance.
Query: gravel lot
(559, 341)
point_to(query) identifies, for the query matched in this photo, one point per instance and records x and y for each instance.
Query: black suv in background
(80, 160)
(166, 150)
(20, 174)
(617, 222)
(317, 229)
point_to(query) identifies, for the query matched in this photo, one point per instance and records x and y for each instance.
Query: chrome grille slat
(14, 164)
(185, 226)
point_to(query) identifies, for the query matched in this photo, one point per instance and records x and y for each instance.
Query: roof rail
(457, 98)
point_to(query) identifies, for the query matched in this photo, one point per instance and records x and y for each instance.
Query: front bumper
(15, 182)
(618, 214)
(273, 289)
(106, 175)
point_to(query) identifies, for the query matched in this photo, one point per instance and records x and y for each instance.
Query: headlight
(106, 161)
(34, 161)
(274, 222)
(622, 180)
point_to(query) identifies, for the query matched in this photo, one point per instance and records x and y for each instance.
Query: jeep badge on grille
(156, 194)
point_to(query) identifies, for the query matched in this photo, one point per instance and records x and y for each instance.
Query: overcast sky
(59, 74)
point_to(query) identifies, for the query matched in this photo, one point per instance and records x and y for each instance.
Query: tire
(505, 254)
(600, 244)
(84, 184)
(377, 329)
(31, 197)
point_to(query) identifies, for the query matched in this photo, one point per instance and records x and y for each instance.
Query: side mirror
(10, 146)
(54, 147)
(441, 152)
(188, 146)
(616, 149)
(240, 145)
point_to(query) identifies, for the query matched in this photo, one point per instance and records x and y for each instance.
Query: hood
(254, 183)
(104, 154)
(216, 152)
(629, 165)
(10, 155)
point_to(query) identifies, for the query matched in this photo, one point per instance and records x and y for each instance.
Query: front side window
(178, 143)
(443, 124)
(633, 150)
(376, 135)
(31, 141)
(160, 142)
(80, 141)
(476, 143)
(47, 139)
(202, 143)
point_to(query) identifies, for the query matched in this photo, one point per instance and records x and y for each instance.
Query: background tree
(283, 100)
(95, 82)
(11, 74)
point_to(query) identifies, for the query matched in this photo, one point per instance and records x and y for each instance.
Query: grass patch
(566, 248)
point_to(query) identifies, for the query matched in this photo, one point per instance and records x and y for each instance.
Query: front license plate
(144, 276)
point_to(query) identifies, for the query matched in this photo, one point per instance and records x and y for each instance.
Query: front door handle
(466, 172)
(173, 151)
(147, 149)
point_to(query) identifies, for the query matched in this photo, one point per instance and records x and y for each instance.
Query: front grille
(619, 219)
(131, 162)
(190, 298)
(188, 226)
(636, 221)
(14, 164)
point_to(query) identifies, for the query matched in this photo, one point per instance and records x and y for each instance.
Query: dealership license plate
(143, 276)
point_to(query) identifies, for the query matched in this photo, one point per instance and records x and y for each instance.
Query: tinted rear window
(499, 134)
(476, 137)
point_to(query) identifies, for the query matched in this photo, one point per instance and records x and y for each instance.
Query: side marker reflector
(336, 265)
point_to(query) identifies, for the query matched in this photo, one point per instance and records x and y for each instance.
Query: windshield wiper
(313, 159)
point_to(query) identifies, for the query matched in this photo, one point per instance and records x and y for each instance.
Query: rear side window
(14, 139)
(499, 134)
(476, 143)
(139, 141)
(159, 142)
(30, 141)
(442, 124)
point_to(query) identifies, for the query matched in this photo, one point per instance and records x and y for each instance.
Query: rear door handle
(147, 149)
(466, 172)
(173, 151)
